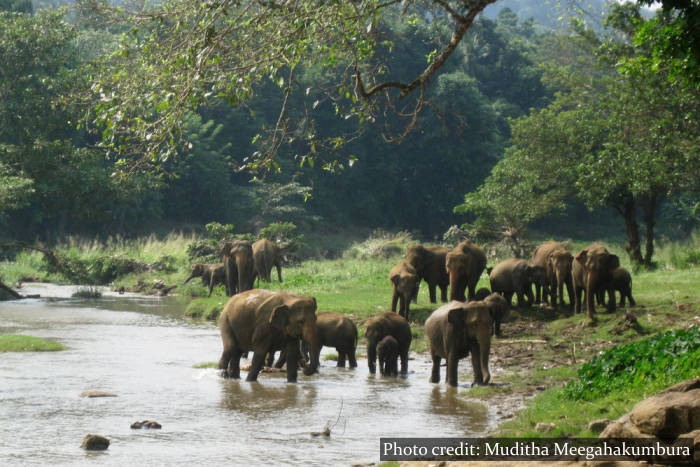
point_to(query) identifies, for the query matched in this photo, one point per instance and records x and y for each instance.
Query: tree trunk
(629, 212)
(649, 210)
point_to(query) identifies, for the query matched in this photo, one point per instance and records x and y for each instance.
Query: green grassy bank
(20, 343)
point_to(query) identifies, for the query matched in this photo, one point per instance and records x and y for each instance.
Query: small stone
(596, 426)
(95, 443)
(146, 424)
(544, 427)
(93, 393)
(136, 425)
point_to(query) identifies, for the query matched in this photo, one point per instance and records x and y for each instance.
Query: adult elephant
(211, 274)
(515, 276)
(464, 265)
(239, 266)
(429, 263)
(336, 330)
(267, 255)
(456, 330)
(539, 258)
(404, 282)
(265, 321)
(557, 261)
(387, 324)
(593, 271)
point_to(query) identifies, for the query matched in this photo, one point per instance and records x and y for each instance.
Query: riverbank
(540, 351)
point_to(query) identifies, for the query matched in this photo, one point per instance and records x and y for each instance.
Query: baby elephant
(336, 330)
(622, 282)
(499, 309)
(211, 274)
(388, 353)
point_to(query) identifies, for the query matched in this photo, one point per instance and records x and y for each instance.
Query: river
(141, 349)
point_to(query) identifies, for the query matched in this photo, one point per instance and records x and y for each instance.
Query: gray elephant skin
(267, 255)
(557, 261)
(265, 321)
(336, 330)
(388, 354)
(387, 324)
(239, 266)
(429, 263)
(404, 280)
(592, 272)
(211, 274)
(464, 265)
(516, 276)
(456, 330)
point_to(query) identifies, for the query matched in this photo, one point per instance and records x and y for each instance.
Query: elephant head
(416, 256)
(197, 271)
(559, 264)
(474, 321)
(296, 319)
(498, 307)
(240, 267)
(536, 274)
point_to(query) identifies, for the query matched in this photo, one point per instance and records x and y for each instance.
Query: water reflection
(261, 398)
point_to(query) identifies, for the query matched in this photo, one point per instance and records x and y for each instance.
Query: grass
(87, 292)
(206, 365)
(20, 343)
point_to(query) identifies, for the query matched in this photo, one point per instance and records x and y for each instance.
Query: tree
(619, 137)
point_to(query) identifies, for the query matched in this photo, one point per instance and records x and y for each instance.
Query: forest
(529, 122)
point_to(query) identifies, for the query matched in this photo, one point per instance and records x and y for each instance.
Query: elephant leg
(452, 362)
(394, 299)
(521, 301)
(256, 366)
(279, 272)
(352, 363)
(629, 295)
(443, 293)
(611, 299)
(292, 354)
(270, 358)
(590, 302)
(404, 361)
(372, 356)
(476, 364)
(509, 298)
(538, 293)
(431, 289)
(225, 360)
(472, 291)
(394, 365)
(341, 358)
(622, 298)
(435, 373)
(577, 299)
(402, 307)
(415, 291)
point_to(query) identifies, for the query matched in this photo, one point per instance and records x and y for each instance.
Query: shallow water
(138, 348)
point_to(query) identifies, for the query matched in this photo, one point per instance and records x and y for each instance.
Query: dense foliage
(645, 363)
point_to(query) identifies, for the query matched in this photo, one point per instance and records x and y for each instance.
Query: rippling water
(137, 348)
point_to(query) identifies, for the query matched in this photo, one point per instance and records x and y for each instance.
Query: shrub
(668, 356)
(380, 244)
(87, 292)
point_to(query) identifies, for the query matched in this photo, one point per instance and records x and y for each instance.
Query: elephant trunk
(191, 276)
(310, 337)
(245, 275)
(455, 285)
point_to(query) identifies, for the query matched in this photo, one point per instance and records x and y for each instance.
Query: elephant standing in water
(388, 354)
(265, 321)
(456, 330)
(429, 263)
(593, 272)
(404, 282)
(266, 255)
(387, 324)
(336, 330)
(464, 264)
(516, 276)
(239, 266)
(211, 274)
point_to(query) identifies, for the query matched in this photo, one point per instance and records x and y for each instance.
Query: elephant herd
(265, 322)
(243, 262)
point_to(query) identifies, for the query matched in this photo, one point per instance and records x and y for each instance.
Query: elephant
(539, 258)
(388, 354)
(336, 330)
(515, 276)
(481, 294)
(499, 309)
(387, 324)
(211, 274)
(559, 275)
(265, 321)
(622, 282)
(405, 281)
(266, 255)
(592, 271)
(239, 266)
(457, 329)
(464, 264)
(429, 263)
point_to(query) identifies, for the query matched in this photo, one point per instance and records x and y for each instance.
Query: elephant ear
(457, 317)
(582, 256)
(613, 262)
(280, 317)
(394, 279)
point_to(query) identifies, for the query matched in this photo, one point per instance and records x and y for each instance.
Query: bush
(87, 292)
(672, 355)
(380, 244)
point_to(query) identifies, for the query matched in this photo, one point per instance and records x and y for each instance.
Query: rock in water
(93, 393)
(95, 443)
(146, 424)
